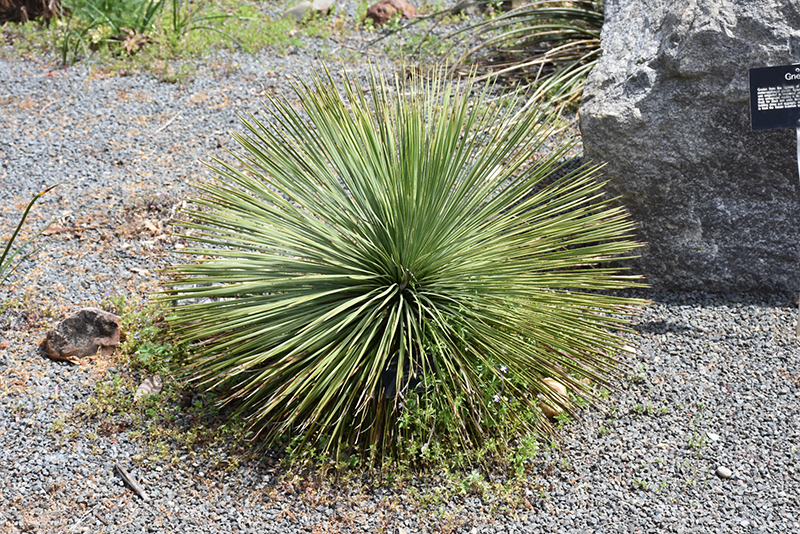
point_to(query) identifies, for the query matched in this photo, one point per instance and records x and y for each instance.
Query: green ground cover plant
(391, 273)
(141, 34)
(176, 423)
(89, 23)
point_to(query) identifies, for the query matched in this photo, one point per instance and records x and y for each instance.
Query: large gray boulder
(667, 109)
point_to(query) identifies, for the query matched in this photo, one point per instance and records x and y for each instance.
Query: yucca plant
(370, 248)
(551, 44)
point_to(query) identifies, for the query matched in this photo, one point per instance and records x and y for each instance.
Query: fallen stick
(131, 482)
(76, 525)
(166, 124)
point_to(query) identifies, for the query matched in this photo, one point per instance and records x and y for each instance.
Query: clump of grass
(10, 257)
(549, 45)
(139, 35)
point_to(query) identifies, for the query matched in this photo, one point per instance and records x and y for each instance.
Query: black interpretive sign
(775, 103)
(775, 97)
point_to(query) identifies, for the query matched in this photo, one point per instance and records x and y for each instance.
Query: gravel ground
(703, 436)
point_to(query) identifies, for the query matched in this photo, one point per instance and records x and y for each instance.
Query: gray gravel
(703, 436)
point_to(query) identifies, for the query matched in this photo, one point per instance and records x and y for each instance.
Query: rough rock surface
(551, 409)
(150, 386)
(83, 334)
(302, 9)
(385, 10)
(667, 109)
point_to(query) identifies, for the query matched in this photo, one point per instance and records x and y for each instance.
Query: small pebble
(712, 436)
(724, 472)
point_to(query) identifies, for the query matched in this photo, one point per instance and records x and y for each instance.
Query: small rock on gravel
(724, 472)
